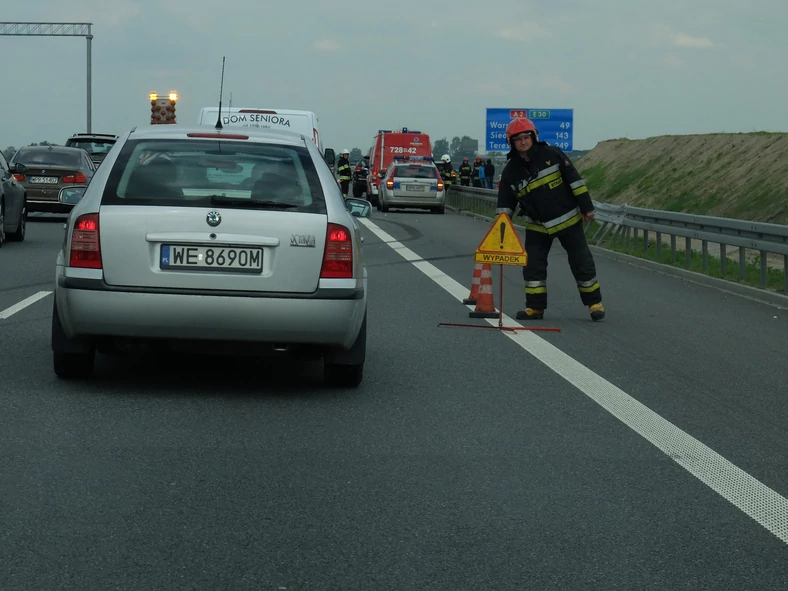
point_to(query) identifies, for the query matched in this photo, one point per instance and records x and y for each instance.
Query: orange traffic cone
(474, 295)
(485, 305)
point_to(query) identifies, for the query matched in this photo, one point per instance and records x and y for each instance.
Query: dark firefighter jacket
(446, 173)
(551, 193)
(343, 169)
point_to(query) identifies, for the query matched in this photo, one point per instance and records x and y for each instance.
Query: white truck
(300, 122)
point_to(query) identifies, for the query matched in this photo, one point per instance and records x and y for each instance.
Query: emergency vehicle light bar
(408, 157)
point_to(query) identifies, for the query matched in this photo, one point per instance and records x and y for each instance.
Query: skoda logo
(214, 218)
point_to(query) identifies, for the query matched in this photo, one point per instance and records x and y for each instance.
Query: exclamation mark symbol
(503, 231)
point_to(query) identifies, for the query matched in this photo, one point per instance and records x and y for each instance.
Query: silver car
(412, 182)
(212, 241)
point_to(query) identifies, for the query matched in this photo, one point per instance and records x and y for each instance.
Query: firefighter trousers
(345, 185)
(581, 262)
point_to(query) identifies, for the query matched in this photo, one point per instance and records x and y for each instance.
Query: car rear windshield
(198, 172)
(46, 157)
(416, 172)
(92, 146)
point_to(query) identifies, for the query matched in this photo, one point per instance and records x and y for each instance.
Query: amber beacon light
(162, 110)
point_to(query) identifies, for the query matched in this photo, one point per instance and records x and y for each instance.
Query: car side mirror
(19, 168)
(359, 208)
(330, 157)
(71, 195)
(381, 175)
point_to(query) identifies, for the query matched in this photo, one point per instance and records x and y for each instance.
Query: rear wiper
(251, 203)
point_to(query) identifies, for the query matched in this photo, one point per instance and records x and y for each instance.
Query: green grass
(594, 176)
(752, 271)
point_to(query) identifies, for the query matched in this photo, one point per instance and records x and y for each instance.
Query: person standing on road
(447, 173)
(489, 173)
(343, 170)
(478, 167)
(465, 172)
(555, 201)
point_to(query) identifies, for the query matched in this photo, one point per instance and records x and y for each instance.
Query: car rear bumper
(48, 206)
(90, 313)
(421, 201)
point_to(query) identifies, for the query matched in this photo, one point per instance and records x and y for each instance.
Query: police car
(412, 182)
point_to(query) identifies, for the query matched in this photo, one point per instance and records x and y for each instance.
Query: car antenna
(221, 86)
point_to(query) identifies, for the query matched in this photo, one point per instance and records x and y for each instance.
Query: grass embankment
(741, 176)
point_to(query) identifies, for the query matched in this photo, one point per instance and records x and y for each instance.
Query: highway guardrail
(621, 225)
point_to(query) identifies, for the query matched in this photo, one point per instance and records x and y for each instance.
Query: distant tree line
(11, 150)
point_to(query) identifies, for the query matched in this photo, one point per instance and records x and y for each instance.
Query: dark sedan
(50, 169)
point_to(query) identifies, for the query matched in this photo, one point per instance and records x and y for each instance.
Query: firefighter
(447, 174)
(476, 173)
(555, 201)
(343, 169)
(465, 172)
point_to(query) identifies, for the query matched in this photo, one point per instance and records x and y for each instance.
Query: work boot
(529, 314)
(597, 311)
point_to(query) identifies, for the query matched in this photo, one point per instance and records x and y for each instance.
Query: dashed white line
(8, 312)
(761, 503)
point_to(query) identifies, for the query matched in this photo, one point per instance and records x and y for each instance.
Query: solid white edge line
(8, 312)
(761, 503)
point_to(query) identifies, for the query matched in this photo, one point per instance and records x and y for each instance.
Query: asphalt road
(464, 461)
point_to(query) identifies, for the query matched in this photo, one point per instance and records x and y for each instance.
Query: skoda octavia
(215, 242)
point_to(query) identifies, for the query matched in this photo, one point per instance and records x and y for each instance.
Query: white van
(300, 122)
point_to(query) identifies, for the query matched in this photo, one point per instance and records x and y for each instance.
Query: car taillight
(338, 256)
(85, 247)
(440, 185)
(390, 184)
(19, 177)
(75, 178)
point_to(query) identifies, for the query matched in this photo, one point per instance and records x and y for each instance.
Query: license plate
(415, 188)
(212, 258)
(43, 180)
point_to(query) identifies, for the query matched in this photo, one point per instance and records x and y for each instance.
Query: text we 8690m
(212, 258)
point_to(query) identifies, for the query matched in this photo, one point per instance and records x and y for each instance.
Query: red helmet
(518, 126)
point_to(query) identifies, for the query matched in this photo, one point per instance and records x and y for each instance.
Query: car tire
(357, 193)
(74, 365)
(343, 376)
(21, 230)
(71, 360)
(350, 373)
(2, 223)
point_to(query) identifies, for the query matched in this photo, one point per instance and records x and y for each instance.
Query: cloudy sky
(628, 68)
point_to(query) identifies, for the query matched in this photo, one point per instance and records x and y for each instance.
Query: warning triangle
(502, 238)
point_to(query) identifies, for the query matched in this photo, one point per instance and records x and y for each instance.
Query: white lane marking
(23, 304)
(751, 496)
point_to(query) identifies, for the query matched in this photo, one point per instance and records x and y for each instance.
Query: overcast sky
(633, 68)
